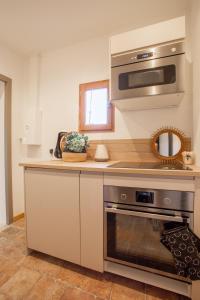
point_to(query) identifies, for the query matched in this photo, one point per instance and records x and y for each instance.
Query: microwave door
(148, 78)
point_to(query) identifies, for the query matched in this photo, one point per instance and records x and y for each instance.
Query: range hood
(148, 102)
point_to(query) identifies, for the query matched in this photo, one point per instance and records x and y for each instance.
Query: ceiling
(33, 26)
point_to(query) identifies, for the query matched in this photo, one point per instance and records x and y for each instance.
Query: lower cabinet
(91, 208)
(53, 212)
(64, 214)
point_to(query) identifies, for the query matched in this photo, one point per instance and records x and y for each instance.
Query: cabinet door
(91, 207)
(52, 213)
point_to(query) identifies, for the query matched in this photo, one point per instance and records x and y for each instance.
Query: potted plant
(75, 147)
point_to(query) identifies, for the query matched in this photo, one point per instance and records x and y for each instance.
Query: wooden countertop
(92, 166)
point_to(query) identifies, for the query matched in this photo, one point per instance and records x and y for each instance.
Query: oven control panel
(144, 197)
(166, 199)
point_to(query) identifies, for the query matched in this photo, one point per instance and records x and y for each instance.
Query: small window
(95, 110)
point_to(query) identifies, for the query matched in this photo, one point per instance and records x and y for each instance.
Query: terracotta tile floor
(39, 276)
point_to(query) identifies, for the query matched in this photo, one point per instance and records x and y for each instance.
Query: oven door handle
(147, 215)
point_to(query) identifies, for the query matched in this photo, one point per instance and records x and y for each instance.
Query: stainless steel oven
(157, 70)
(134, 220)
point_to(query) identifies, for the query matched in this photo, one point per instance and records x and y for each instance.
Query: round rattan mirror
(168, 143)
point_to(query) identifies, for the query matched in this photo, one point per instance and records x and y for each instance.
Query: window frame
(110, 110)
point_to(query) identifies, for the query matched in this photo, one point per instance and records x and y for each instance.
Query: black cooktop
(144, 165)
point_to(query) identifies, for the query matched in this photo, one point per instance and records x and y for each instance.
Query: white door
(2, 157)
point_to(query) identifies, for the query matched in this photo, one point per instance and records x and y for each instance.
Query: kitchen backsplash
(128, 149)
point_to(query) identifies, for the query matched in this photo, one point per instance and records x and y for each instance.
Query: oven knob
(123, 197)
(167, 200)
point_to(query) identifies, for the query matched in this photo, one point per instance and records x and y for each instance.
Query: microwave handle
(147, 215)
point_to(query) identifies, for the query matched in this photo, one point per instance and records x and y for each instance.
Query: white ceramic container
(101, 153)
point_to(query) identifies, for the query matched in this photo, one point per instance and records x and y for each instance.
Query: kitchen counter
(92, 166)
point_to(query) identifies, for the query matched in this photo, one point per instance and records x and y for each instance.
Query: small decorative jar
(101, 153)
(188, 157)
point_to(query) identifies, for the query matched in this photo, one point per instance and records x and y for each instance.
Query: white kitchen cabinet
(169, 30)
(53, 212)
(91, 208)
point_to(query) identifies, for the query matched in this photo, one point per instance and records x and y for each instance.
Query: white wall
(2, 158)
(12, 65)
(193, 26)
(61, 73)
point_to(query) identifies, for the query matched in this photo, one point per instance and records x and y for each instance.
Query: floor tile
(7, 269)
(40, 276)
(14, 234)
(42, 263)
(96, 284)
(11, 231)
(77, 294)
(46, 288)
(11, 249)
(89, 281)
(20, 284)
(20, 223)
(3, 263)
(71, 274)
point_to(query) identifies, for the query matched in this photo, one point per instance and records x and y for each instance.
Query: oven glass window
(148, 77)
(136, 240)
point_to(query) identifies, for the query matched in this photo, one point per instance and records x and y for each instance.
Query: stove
(145, 165)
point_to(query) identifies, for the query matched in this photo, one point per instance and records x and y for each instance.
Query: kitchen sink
(143, 165)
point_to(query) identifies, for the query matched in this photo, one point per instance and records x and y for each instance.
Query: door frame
(8, 147)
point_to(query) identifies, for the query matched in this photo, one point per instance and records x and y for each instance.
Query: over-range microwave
(148, 78)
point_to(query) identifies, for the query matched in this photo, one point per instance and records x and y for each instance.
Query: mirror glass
(168, 144)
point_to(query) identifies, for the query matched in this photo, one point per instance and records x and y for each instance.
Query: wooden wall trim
(18, 217)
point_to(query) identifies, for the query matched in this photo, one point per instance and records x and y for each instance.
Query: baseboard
(18, 217)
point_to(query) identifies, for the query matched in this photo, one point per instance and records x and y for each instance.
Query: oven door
(148, 78)
(133, 238)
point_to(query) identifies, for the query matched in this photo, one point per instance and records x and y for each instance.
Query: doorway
(2, 157)
(6, 208)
